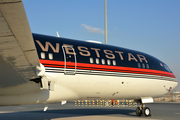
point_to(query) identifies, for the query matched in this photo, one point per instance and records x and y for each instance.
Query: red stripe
(60, 64)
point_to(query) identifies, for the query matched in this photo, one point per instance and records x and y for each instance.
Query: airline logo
(84, 51)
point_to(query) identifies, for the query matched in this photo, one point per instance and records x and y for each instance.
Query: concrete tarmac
(160, 111)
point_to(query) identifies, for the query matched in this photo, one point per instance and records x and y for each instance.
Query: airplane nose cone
(176, 83)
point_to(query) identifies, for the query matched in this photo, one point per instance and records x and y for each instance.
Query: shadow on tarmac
(54, 114)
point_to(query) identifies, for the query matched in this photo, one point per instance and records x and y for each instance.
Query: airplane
(38, 68)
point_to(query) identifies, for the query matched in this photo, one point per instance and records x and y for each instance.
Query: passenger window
(91, 60)
(69, 58)
(103, 61)
(50, 56)
(108, 62)
(143, 65)
(139, 65)
(114, 62)
(147, 66)
(97, 61)
(42, 55)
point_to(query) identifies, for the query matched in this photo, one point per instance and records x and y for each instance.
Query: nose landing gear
(143, 111)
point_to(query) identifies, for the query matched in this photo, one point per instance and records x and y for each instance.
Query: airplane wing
(18, 57)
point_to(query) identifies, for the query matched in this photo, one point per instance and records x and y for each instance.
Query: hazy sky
(150, 26)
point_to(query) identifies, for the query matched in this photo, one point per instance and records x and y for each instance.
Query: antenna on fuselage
(105, 21)
(58, 34)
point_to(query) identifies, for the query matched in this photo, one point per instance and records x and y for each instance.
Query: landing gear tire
(146, 112)
(138, 111)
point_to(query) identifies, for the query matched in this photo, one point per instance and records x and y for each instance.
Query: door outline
(65, 71)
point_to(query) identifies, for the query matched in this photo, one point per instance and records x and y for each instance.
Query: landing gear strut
(143, 111)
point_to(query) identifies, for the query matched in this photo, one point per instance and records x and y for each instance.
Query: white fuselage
(94, 86)
(80, 86)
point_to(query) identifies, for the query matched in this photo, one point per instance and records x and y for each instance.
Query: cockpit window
(167, 68)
